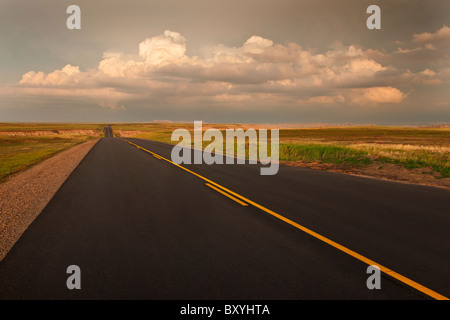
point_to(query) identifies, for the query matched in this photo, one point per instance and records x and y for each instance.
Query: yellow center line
(227, 195)
(336, 245)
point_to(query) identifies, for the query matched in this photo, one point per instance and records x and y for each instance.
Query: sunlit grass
(353, 146)
(18, 153)
(327, 153)
(49, 126)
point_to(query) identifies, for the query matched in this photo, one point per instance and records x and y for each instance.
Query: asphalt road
(108, 132)
(140, 227)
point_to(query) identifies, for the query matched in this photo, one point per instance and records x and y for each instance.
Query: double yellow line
(227, 195)
(245, 202)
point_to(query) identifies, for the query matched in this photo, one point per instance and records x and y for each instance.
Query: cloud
(256, 45)
(376, 95)
(67, 75)
(256, 72)
(427, 48)
(169, 48)
(339, 98)
(441, 36)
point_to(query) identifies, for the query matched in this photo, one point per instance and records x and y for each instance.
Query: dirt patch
(24, 196)
(385, 171)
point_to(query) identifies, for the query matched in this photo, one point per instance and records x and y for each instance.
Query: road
(108, 131)
(140, 227)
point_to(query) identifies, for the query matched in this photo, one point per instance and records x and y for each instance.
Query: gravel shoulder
(25, 195)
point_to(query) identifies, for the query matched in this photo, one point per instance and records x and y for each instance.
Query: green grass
(326, 153)
(438, 163)
(18, 153)
(50, 126)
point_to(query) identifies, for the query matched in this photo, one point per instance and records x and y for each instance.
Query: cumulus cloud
(256, 45)
(376, 95)
(169, 48)
(258, 71)
(67, 75)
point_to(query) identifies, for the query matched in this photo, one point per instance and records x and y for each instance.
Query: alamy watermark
(249, 146)
(74, 20)
(374, 280)
(74, 280)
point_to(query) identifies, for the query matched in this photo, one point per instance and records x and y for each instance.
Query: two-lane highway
(108, 131)
(140, 227)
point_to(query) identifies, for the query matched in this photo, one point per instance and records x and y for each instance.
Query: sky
(241, 61)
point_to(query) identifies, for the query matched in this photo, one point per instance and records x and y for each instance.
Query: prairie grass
(18, 153)
(408, 147)
(50, 126)
(352, 146)
(327, 153)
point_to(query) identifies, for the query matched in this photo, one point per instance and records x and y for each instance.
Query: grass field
(49, 126)
(410, 148)
(351, 147)
(18, 153)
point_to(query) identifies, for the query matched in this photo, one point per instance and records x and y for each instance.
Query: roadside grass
(50, 126)
(161, 132)
(326, 153)
(437, 158)
(161, 136)
(408, 147)
(18, 153)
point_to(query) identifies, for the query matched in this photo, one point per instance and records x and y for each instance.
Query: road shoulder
(25, 195)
